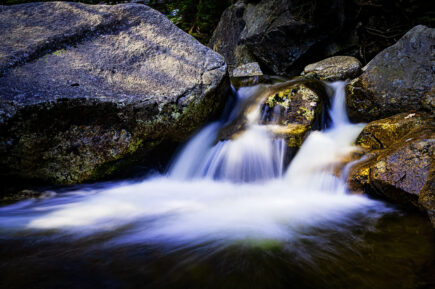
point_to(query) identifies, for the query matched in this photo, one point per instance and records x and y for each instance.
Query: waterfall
(314, 163)
(253, 156)
(217, 189)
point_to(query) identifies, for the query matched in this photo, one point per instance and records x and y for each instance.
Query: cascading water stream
(313, 165)
(216, 190)
(253, 156)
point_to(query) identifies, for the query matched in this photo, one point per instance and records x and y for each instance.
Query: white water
(252, 156)
(229, 190)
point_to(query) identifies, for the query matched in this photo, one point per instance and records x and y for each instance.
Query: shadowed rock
(89, 90)
(276, 33)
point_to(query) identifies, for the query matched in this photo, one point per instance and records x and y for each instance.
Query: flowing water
(228, 214)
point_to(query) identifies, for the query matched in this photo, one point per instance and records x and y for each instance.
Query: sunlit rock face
(383, 133)
(399, 79)
(399, 161)
(85, 89)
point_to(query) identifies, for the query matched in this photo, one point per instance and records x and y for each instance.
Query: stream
(227, 214)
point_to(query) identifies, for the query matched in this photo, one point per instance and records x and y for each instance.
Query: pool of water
(395, 251)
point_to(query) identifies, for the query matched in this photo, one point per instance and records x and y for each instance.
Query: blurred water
(226, 190)
(218, 196)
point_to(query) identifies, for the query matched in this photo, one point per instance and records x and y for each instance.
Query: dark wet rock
(426, 197)
(94, 89)
(399, 79)
(247, 75)
(402, 171)
(226, 37)
(276, 33)
(335, 68)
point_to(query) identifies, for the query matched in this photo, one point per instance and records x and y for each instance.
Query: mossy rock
(294, 134)
(299, 103)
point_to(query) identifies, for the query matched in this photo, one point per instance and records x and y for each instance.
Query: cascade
(217, 189)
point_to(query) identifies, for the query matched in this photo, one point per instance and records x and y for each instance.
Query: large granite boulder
(399, 165)
(399, 79)
(277, 33)
(88, 90)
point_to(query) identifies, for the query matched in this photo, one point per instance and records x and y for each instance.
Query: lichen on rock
(296, 103)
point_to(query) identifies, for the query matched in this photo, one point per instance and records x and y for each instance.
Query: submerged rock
(399, 79)
(399, 165)
(93, 89)
(334, 68)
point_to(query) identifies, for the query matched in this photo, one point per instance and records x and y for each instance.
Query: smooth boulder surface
(278, 34)
(90, 90)
(334, 68)
(399, 79)
(399, 163)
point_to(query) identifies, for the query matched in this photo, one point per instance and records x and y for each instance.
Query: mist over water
(217, 191)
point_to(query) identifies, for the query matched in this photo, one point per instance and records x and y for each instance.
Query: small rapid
(216, 190)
